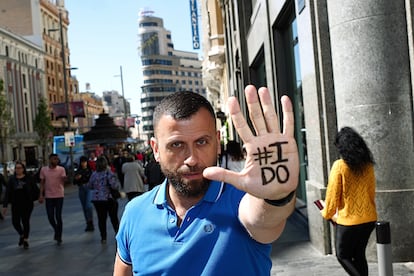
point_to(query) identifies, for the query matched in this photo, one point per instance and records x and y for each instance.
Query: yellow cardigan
(351, 195)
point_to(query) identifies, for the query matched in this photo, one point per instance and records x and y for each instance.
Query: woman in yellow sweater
(350, 200)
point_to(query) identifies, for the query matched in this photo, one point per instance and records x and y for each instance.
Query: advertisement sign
(63, 151)
(194, 24)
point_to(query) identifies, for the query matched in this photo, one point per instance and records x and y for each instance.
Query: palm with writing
(272, 164)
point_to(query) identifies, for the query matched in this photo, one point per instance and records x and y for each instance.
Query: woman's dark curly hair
(353, 149)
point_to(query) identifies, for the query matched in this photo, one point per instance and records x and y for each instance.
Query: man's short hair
(181, 106)
(53, 155)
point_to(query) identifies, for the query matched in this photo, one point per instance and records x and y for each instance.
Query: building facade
(45, 23)
(23, 76)
(342, 64)
(92, 105)
(165, 70)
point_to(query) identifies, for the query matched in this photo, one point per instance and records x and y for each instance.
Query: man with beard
(203, 219)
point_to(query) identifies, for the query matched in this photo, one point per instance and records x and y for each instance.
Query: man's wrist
(281, 202)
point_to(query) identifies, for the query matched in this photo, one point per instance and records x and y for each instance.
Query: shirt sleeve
(122, 238)
(113, 180)
(333, 192)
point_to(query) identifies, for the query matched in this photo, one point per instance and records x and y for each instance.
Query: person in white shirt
(133, 177)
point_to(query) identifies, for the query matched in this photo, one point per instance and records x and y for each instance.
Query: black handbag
(115, 193)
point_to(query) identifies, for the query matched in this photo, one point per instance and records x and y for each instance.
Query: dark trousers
(54, 215)
(103, 209)
(350, 243)
(20, 214)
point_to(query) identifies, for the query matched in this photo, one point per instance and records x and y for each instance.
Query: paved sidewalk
(294, 255)
(82, 253)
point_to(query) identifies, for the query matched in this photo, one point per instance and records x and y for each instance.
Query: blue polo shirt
(210, 241)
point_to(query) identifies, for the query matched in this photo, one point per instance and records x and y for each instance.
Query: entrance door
(289, 82)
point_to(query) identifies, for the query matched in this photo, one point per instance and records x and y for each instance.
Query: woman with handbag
(101, 182)
(21, 191)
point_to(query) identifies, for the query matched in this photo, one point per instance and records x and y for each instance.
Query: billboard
(63, 151)
(194, 24)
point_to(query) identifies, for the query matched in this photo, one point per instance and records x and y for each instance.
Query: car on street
(10, 168)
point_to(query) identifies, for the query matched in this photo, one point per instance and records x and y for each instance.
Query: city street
(81, 253)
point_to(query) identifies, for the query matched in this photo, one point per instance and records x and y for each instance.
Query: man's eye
(176, 145)
(202, 142)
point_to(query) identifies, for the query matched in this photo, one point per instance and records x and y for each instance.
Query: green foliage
(6, 124)
(43, 125)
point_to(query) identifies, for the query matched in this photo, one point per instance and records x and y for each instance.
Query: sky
(103, 35)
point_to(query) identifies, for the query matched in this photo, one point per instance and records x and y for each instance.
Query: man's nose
(192, 157)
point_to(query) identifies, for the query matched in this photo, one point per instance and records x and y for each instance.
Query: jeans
(85, 199)
(350, 245)
(54, 215)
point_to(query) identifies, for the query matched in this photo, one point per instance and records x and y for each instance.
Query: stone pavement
(81, 253)
(293, 255)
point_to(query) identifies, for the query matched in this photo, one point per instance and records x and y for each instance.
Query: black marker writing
(263, 155)
(269, 173)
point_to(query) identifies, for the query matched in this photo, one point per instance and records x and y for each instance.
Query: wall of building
(355, 70)
(22, 71)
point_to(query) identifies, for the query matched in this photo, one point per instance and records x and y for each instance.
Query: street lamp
(65, 87)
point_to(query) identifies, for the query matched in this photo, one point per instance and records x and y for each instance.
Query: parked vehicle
(10, 168)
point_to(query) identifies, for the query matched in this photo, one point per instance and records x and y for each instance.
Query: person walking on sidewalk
(52, 191)
(133, 177)
(20, 193)
(153, 173)
(100, 183)
(203, 219)
(233, 157)
(81, 179)
(2, 184)
(350, 200)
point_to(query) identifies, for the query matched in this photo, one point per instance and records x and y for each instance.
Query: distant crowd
(101, 182)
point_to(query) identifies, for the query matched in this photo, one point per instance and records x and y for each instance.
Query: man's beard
(194, 188)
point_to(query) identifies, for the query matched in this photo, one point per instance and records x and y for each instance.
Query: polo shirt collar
(212, 195)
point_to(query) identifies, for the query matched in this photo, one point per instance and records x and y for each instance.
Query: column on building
(371, 69)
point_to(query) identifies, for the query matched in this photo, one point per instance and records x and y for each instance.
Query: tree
(43, 126)
(6, 124)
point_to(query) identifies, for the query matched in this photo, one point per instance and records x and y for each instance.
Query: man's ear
(154, 146)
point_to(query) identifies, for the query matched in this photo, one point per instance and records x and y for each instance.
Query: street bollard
(384, 248)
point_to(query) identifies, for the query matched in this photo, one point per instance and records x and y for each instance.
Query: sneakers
(25, 245)
(57, 239)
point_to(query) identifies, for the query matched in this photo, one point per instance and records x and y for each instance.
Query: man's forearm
(263, 221)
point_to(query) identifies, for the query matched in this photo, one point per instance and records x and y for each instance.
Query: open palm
(272, 164)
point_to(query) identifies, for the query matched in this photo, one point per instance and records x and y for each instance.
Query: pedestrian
(81, 179)
(21, 191)
(233, 158)
(100, 183)
(118, 162)
(52, 191)
(92, 161)
(133, 177)
(2, 184)
(206, 220)
(350, 200)
(153, 173)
